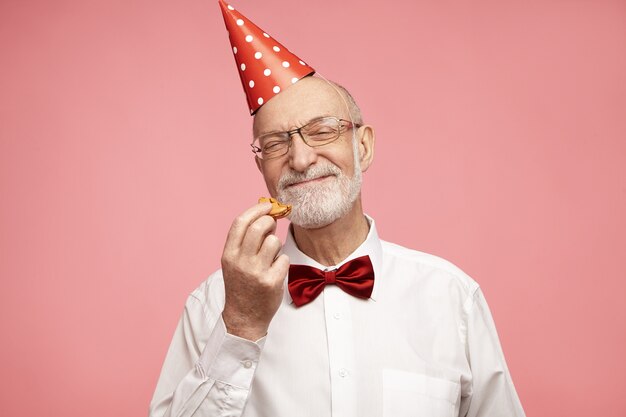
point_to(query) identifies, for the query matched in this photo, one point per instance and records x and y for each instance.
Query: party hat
(265, 66)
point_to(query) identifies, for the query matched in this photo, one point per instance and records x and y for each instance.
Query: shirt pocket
(409, 394)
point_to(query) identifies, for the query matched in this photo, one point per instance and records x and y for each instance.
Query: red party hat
(265, 66)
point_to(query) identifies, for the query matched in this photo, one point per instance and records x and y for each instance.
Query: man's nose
(301, 156)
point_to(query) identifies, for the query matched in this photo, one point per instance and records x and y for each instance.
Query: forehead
(305, 100)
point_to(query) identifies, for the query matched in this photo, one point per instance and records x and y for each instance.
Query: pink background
(501, 147)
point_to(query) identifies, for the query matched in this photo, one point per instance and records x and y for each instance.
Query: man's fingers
(241, 223)
(281, 265)
(256, 233)
(270, 248)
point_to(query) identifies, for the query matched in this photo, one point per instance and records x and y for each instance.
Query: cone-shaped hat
(265, 66)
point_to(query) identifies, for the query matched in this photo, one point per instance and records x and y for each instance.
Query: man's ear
(366, 138)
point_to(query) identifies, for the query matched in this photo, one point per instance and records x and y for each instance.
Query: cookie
(279, 210)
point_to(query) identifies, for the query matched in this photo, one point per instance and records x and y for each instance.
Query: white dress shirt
(424, 344)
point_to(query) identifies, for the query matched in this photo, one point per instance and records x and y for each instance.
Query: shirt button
(337, 316)
(343, 373)
(247, 364)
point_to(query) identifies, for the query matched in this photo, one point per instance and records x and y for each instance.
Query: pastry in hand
(279, 210)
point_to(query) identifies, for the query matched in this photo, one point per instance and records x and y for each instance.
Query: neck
(331, 244)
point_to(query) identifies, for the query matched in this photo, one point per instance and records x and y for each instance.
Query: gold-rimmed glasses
(317, 132)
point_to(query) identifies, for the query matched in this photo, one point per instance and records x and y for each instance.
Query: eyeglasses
(317, 132)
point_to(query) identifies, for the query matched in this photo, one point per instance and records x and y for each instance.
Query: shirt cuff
(230, 359)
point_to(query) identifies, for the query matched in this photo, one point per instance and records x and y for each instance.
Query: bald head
(309, 98)
(354, 109)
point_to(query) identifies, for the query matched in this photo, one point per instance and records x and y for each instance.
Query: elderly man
(423, 342)
(335, 322)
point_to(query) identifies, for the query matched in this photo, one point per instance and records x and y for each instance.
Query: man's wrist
(229, 358)
(243, 330)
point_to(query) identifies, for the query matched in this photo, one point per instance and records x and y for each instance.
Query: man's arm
(492, 393)
(208, 379)
(215, 379)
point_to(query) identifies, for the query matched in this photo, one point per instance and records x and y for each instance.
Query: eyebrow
(299, 125)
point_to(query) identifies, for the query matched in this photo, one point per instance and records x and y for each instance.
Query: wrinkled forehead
(303, 101)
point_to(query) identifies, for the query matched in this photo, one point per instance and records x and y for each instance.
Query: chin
(318, 205)
(317, 214)
(312, 225)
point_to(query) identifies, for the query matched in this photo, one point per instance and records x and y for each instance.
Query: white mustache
(314, 172)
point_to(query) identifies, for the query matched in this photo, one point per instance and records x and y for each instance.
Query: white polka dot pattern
(266, 66)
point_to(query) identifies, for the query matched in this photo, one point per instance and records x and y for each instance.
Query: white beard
(317, 205)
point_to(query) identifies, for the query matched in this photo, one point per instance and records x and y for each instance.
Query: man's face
(321, 183)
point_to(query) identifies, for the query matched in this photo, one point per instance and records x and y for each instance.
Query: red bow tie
(355, 277)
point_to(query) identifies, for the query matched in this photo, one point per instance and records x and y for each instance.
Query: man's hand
(253, 274)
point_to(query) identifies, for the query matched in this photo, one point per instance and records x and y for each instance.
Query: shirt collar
(371, 246)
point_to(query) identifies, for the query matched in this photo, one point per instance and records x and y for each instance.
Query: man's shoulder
(427, 263)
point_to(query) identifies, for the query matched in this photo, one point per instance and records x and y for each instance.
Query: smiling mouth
(311, 181)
